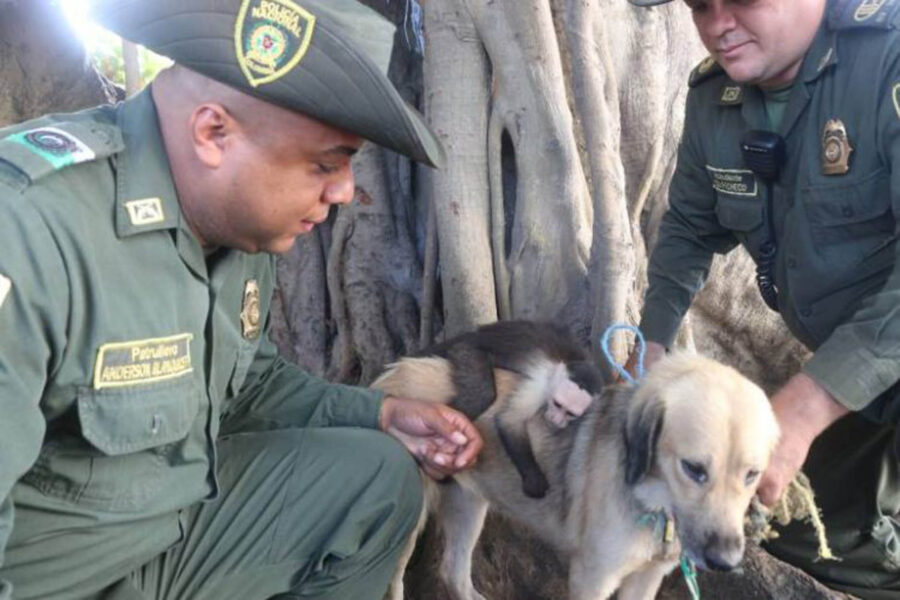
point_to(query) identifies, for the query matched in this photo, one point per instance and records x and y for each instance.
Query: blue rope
(639, 343)
(689, 570)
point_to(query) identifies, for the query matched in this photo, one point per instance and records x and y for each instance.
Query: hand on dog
(804, 410)
(652, 353)
(443, 440)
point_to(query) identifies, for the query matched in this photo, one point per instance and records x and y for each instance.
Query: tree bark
(43, 66)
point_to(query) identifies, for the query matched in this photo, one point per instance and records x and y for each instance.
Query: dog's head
(698, 437)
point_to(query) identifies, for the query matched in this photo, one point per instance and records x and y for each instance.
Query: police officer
(152, 444)
(812, 193)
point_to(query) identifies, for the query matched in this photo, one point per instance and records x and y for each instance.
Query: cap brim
(335, 82)
(648, 2)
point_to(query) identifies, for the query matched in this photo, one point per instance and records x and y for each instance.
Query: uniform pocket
(739, 214)
(124, 420)
(853, 217)
(130, 431)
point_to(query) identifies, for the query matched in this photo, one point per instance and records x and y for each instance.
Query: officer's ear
(211, 126)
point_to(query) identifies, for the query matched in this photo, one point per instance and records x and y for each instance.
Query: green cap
(648, 2)
(327, 59)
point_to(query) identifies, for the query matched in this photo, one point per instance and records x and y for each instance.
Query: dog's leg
(461, 517)
(643, 584)
(395, 591)
(595, 575)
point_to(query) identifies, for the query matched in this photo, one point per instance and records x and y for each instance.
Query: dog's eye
(695, 471)
(751, 477)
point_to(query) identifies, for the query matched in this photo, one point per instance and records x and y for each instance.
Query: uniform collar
(145, 194)
(822, 54)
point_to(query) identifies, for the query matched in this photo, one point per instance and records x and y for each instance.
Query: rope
(639, 342)
(689, 571)
(797, 503)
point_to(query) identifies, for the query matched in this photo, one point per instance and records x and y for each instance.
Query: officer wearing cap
(152, 444)
(791, 147)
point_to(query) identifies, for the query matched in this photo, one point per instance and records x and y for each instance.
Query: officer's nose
(341, 190)
(718, 19)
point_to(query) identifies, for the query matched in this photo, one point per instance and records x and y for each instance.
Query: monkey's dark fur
(514, 346)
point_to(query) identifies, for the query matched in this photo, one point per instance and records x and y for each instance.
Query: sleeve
(861, 359)
(277, 393)
(33, 315)
(689, 235)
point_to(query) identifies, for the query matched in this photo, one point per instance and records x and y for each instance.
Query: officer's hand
(803, 409)
(443, 440)
(652, 353)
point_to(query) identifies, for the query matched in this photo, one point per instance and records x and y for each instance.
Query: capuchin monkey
(551, 375)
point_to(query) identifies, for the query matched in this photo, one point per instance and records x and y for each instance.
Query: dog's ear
(644, 424)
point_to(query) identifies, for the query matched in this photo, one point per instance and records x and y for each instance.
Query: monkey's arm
(513, 434)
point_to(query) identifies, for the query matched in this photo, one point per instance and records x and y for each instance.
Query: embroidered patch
(5, 286)
(738, 182)
(56, 146)
(146, 211)
(866, 9)
(271, 37)
(705, 65)
(143, 361)
(731, 94)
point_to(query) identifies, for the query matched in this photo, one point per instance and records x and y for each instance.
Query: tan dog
(650, 471)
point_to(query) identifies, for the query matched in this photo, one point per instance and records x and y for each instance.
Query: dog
(652, 471)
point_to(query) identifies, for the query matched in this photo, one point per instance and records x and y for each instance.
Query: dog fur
(616, 475)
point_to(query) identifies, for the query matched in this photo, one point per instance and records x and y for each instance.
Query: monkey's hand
(443, 440)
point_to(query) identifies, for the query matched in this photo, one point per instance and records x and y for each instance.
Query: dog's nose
(723, 553)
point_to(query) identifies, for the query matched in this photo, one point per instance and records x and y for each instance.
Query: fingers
(470, 450)
(770, 490)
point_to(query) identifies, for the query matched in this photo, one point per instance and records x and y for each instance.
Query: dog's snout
(723, 553)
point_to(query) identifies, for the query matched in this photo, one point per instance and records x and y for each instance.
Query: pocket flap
(131, 419)
(849, 203)
(739, 214)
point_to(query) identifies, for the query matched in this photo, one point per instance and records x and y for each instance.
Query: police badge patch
(836, 148)
(271, 37)
(250, 311)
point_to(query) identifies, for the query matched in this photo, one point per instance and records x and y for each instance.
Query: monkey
(553, 375)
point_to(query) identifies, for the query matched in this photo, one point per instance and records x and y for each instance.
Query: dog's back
(623, 460)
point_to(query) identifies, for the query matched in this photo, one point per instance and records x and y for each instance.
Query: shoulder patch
(707, 68)
(879, 14)
(49, 147)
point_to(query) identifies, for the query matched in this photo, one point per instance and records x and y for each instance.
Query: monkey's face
(715, 439)
(567, 401)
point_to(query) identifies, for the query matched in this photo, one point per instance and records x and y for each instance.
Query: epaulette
(45, 146)
(878, 14)
(706, 69)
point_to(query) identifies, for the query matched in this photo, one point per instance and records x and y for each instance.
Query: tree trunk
(43, 66)
(560, 118)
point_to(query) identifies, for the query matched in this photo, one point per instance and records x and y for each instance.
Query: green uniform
(836, 268)
(150, 434)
